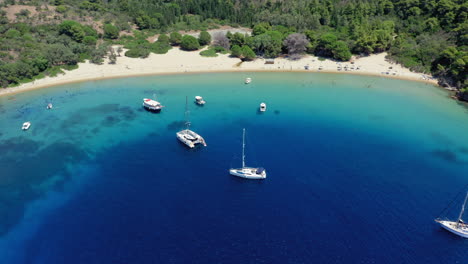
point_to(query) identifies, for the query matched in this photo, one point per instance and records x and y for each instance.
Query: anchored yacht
(152, 105)
(262, 107)
(457, 227)
(187, 136)
(248, 80)
(248, 172)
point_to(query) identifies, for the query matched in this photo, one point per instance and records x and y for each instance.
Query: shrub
(111, 31)
(209, 53)
(189, 43)
(137, 53)
(248, 53)
(160, 48)
(163, 38)
(204, 38)
(236, 51)
(61, 9)
(175, 38)
(89, 40)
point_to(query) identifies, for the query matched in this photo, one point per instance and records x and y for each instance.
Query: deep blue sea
(358, 168)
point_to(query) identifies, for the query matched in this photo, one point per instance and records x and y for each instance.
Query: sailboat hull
(248, 173)
(451, 226)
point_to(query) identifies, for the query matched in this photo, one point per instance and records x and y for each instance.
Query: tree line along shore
(40, 38)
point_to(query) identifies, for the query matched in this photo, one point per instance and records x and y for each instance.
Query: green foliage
(89, 40)
(61, 9)
(414, 32)
(204, 38)
(341, 51)
(91, 6)
(209, 53)
(111, 31)
(175, 38)
(248, 53)
(236, 39)
(73, 29)
(236, 51)
(189, 43)
(268, 44)
(12, 33)
(137, 53)
(146, 22)
(163, 38)
(161, 46)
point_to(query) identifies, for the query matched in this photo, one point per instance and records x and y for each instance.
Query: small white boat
(199, 100)
(26, 125)
(152, 105)
(248, 172)
(248, 80)
(49, 106)
(262, 107)
(187, 136)
(457, 227)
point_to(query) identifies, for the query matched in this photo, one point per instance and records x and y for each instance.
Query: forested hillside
(427, 36)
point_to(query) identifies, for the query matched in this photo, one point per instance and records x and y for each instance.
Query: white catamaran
(187, 136)
(459, 227)
(248, 172)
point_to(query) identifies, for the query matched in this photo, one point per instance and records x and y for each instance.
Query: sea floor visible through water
(358, 169)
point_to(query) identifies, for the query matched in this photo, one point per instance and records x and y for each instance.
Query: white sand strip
(178, 61)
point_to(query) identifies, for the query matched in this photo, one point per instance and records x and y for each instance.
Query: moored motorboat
(458, 227)
(152, 105)
(26, 125)
(199, 100)
(248, 172)
(248, 80)
(262, 107)
(49, 106)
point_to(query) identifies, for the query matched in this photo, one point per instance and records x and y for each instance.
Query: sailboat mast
(462, 210)
(187, 122)
(243, 147)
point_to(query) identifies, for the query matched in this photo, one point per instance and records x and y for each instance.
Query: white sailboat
(187, 136)
(457, 227)
(248, 172)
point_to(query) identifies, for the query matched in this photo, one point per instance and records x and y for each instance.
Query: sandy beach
(177, 61)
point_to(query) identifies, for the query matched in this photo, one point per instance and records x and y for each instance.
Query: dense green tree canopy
(422, 35)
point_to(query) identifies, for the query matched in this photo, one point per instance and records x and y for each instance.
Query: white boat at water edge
(458, 227)
(248, 172)
(26, 125)
(187, 136)
(248, 80)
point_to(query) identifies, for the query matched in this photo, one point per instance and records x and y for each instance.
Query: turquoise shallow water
(358, 169)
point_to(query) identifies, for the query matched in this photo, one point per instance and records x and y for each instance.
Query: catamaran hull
(186, 142)
(450, 226)
(190, 138)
